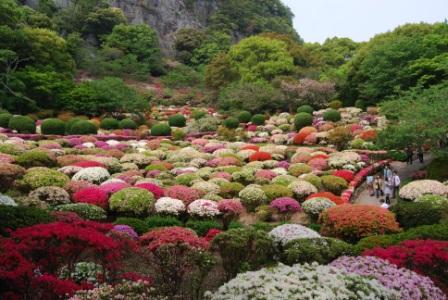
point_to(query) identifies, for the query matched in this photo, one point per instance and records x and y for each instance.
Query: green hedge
(53, 126)
(332, 115)
(305, 109)
(160, 130)
(109, 124)
(177, 121)
(258, 119)
(23, 124)
(127, 124)
(303, 119)
(14, 217)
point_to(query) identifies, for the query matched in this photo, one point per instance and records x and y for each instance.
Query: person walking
(396, 184)
(420, 154)
(388, 188)
(387, 172)
(369, 182)
(410, 155)
(378, 186)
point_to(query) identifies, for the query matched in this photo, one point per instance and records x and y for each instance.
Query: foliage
(53, 126)
(139, 40)
(127, 124)
(101, 21)
(307, 92)
(39, 177)
(320, 250)
(138, 225)
(4, 119)
(109, 94)
(160, 130)
(219, 72)
(303, 119)
(177, 120)
(244, 116)
(83, 127)
(8, 174)
(231, 123)
(353, 222)
(134, 201)
(332, 115)
(14, 217)
(258, 119)
(132, 290)
(413, 214)
(243, 248)
(335, 104)
(109, 123)
(274, 191)
(258, 58)
(161, 221)
(84, 210)
(23, 124)
(334, 184)
(182, 77)
(187, 40)
(201, 227)
(35, 158)
(305, 109)
(436, 170)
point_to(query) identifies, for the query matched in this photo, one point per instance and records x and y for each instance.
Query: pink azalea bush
(92, 195)
(153, 188)
(181, 192)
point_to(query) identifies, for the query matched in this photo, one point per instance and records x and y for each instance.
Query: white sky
(316, 20)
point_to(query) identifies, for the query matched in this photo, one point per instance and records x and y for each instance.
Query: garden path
(404, 171)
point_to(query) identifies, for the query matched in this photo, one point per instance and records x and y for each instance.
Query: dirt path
(404, 171)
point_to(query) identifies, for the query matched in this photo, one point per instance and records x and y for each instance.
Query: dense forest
(82, 56)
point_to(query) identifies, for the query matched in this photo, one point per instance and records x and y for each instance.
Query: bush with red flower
(345, 174)
(88, 164)
(230, 209)
(260, 156)
(171, 251)
(156, 190)
(92, 195)
(285, 206)
(426, 257)
(113, 187)
(351, 222)
(368, 135)
(184, 193)
(336, 199)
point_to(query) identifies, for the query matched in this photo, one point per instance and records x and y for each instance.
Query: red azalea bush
(74, 186)
(352, 222)
(172, 251)
(48, 248)
(113, 187)
(260, 156)
(184, 193)
(299, 138)
(156, 190)
(368, 135)
(426, 257)
(336, 199)
(345, 174)
(251, 147)
(92, 195)
(88, 164)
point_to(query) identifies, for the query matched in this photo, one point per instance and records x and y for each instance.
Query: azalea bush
(418, 188)
(132, 201)
(288, 232)
(307, 281)
(315, 206)
(352, 222)
(426, 257)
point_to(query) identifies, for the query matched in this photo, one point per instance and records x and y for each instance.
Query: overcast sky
(316, 20)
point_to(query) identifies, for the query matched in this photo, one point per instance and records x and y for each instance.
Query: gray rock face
(166, 17)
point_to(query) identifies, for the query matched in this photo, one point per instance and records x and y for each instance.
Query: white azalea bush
(302, 282)
(170, 206)
(203, 208)
(284, 233)
(302, 188)
(315, 206)
(93, 175)
(418, 188)
(339, 159)
(252, 196)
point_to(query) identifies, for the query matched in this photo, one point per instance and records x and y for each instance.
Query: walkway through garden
(404, 171)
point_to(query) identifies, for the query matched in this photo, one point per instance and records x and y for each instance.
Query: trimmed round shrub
(131, 201)
(92, 195)
(303, 119)
(40, 176)
(335, 104)
(71, 122)
(332, 115)
(8, 174)
(230, 190)
(162, 221)
(198, 114)
(201, 227)
(109, 124)
(334, 184)
(360, 104)
(258, 119)
(233, 246)
(251, 197)
(351, 222)
(22, 124)
(413, 214)
(138, 225)
(231, 123)
(84, 210)
(299, 169)
(52, 195)
(274, 191)
(13, 217)
(177, 121)
(83, 127)
(160, 130)
(127, 124)
(35, 158)
(4, 119)
(53, 126)
(320, 250)
(244, 116)
(305, 109)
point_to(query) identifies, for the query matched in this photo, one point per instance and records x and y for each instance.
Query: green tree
(259, 58)
(101, 21)
(10, 13)
(139, 40)
(105, 95)
(220, 72)
(409, 56)
(216, 42)
(187, 40)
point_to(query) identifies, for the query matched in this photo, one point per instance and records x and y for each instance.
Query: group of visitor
(386, 184)
(410, 155)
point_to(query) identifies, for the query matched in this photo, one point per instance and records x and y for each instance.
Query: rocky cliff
(165, 16)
